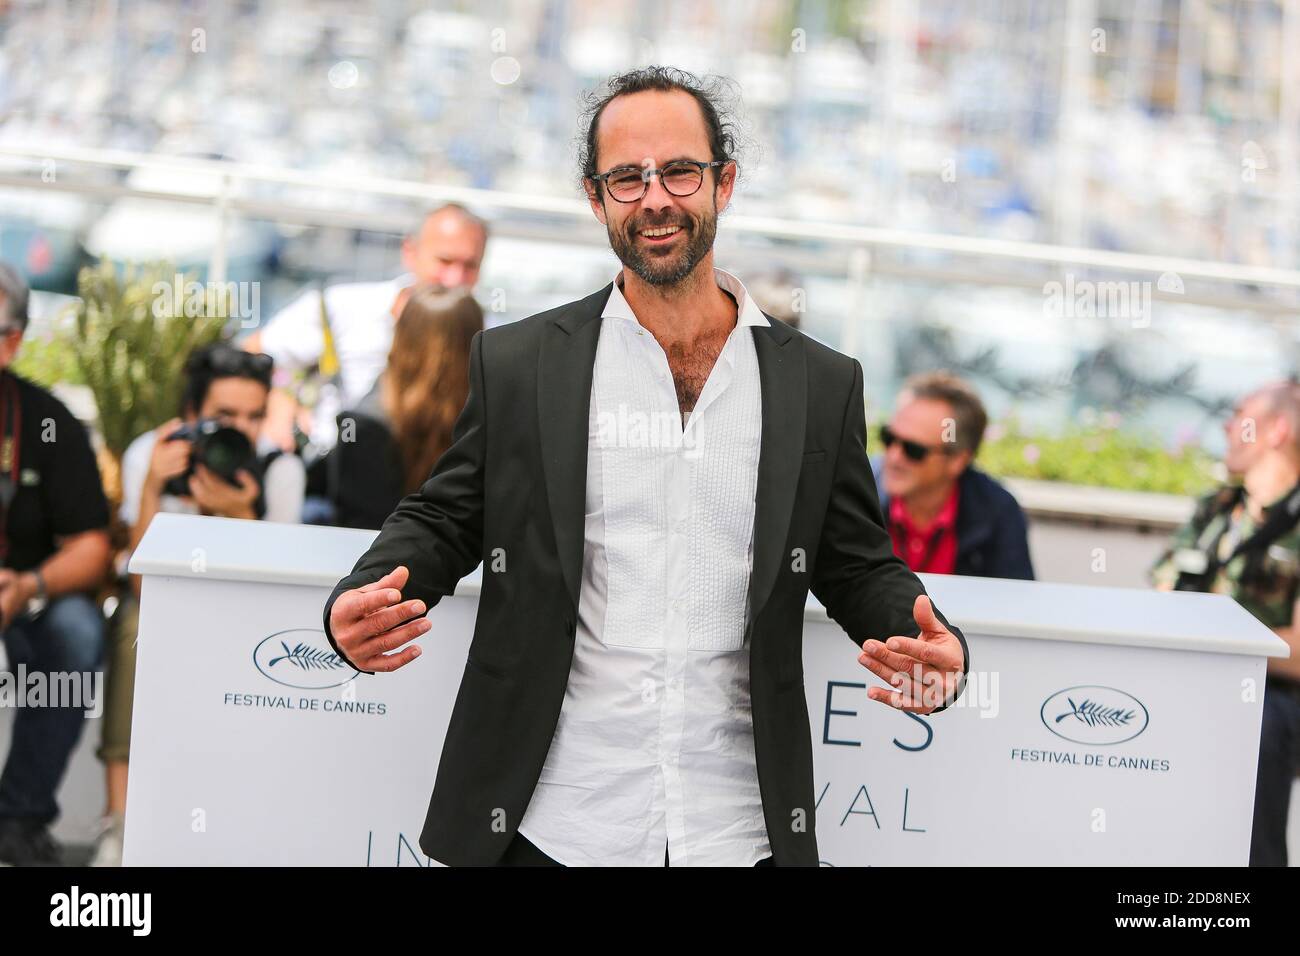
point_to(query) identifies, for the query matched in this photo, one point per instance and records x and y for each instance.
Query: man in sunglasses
(945, 515)
(655, 476)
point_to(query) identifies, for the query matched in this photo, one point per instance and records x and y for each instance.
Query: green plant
(131, 353)
(47, 361)
(1097, 454)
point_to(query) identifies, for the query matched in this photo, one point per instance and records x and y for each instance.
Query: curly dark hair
(716, 95)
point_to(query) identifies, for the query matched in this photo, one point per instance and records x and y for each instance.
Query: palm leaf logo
(1094, 714)
(307, 658)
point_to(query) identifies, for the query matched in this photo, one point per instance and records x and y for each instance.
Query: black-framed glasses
(681, 177)
(914, 450)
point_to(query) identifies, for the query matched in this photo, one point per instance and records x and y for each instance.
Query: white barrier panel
(1099, 725)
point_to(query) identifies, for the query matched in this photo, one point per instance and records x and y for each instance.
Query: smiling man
(945, 515)
(654, 477)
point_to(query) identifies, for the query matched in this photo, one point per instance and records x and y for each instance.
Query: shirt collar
(406, 280)
(946, 518)
(747, 313)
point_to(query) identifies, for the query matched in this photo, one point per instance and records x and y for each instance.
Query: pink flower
(1187, 435)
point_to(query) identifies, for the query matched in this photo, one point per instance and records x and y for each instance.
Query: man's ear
(1279, 432)
(959, 462)
(9, 345)
(408, 254)
(726, 185)
(597, 205)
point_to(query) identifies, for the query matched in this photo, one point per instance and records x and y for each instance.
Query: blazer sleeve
(866, 589)
(437, 530)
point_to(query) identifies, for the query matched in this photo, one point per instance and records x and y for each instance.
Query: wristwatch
(36, 603)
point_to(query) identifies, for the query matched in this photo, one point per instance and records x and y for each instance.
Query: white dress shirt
(655, 744)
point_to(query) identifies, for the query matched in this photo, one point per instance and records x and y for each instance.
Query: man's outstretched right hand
(370, 621)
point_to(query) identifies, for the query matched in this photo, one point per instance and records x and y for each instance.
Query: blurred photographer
(1244, 541)
(212, 460)
(225, 401)
(54, 551)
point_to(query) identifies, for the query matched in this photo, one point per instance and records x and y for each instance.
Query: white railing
(22, 167)
(229, 177)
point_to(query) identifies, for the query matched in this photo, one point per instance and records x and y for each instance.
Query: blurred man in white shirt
(447, 249)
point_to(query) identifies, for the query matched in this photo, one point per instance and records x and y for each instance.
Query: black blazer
(514, 479)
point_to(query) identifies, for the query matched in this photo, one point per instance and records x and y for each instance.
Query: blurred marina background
(931, 181)
(922, 170)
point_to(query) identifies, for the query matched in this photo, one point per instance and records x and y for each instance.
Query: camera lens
(224, 451)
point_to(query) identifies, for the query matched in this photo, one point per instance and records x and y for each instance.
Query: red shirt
(933, 549)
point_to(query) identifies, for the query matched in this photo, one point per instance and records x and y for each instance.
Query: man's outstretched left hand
(923, 671)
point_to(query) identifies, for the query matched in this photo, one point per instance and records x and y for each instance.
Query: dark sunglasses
(228, 360)
(914, 450)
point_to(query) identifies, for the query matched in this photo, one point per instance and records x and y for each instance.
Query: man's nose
(453, 276)
(656, 196)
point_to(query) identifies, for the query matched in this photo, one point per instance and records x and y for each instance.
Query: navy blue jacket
(992, 540)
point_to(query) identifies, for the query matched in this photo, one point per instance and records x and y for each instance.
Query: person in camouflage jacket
(1265, 581)
(1243, 540)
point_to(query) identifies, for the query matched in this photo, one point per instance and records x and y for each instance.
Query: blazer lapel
(566, 363)
(783, 378)
(565, 366)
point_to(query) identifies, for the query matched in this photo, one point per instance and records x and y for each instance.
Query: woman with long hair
(389, 443)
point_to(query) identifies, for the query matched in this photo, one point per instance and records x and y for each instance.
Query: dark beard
(666, 270)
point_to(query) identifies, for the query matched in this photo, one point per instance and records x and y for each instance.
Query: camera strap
(1279, 518)
(10, 447)
(263, 466)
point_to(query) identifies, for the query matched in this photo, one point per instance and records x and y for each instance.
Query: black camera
(219, 448)
(1188, 581)
(1195, 571)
